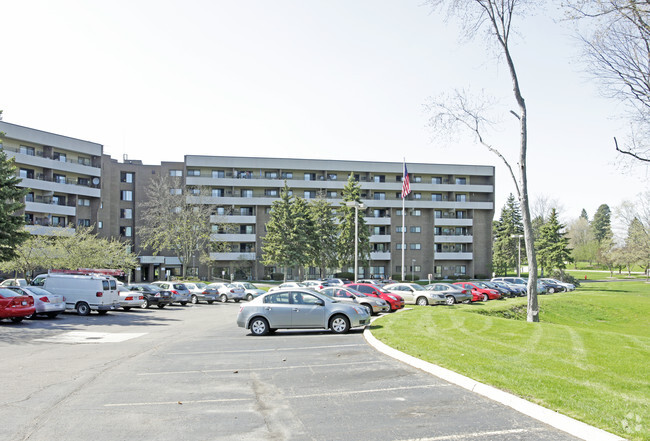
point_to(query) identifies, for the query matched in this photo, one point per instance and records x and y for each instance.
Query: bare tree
(616, 40)
(496, 17)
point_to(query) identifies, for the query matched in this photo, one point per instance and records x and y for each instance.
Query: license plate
(24, 303)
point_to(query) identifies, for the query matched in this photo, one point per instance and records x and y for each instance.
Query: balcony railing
(40, 154)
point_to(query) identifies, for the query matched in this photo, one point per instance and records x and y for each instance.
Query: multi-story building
(448, 215)
(62, 173)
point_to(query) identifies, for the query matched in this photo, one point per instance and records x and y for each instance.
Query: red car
(394, 300)
(15, 306)
(480, 291)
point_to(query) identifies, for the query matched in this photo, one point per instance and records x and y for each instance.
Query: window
(125, 231)
(59, 157)
(83, 181)
(126, 177)
(193, 172)
(379, 196)
(271, 175)
(415, 246)
(29, 197)
(30, 151)
(417, 178)
(126, 195)
(331, 194)
(220, 211)
(195, 191)
(379, 178)
(417, 195)
(83, 161)
(247, 229)
(59, 178)
(331, 176)
(436, 180)
(58, 200)
(126, 213)
(176, 173)
(246, 193)
(281, 297)
(83, 222)
(218, 174)
(287, 175)
(399, 229)
(436, 197)
(461, 181)
(309, 194)
(398, 195)
(100, 225)
(379, 230)
(217, 192)
(416, 229)
(398, 212)
(271, 193)
(460, 215)
(82, 202)
(416, 213)
(310, 176)
(173, 191)
(461, 198)
(437, 231)
(437, 214)
(58, 221)
(398, 246)
(245, 211)
(461, 269)
(26, 173)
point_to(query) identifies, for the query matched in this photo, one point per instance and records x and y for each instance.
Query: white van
(82, 293)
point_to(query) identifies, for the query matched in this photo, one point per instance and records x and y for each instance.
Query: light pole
(356, 206)
(412, 270)
(518, 236)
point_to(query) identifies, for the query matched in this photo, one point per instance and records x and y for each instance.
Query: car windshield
(179, 286)
(37, 291)
(200, 285)
(249, 285)
(481, 285)
(417, 287)
(6, 292)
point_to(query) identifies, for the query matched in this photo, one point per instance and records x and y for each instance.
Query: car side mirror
(320, 302)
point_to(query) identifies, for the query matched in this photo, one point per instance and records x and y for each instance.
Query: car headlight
(393, 297)
(361, 311)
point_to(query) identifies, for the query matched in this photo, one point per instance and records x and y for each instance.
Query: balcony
(453, 222)
(67, 187)
(232, 256)
(49, 208)
(232, 237)
(453, 256)
(80, 166)
(380, 255)
(380, 238)
(48, 230)
(377, 220)
(452, 238)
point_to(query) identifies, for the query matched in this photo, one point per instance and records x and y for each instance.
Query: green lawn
(588, 358)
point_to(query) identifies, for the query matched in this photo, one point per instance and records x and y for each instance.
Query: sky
(322, 79)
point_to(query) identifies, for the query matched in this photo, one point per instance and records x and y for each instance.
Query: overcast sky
(325, 79)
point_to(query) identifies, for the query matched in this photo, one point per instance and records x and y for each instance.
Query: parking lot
(189, 373)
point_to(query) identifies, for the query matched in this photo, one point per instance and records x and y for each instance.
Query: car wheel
(237, 300)
(30, 316)
(161, 305)
(83, 308)
(249, 297)
(259, 326)
(551, 290)
(52, 314)
(422, 301)
(102, 312)
(223, 298)
(451, 300)
(210, 302)
(145, 305)
(17, 319)
(126, 308)
(339, 324)
(485, 297)
(194, 299)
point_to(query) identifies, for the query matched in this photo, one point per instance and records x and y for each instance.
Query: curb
(552, 418)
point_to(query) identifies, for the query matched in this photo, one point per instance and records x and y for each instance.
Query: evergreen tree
(505, 252)
(12, 225)
(583, 215)
(601, 224)
(553, 246)
(345, 243)
(277, 247)
(304, 243)
(325, 233)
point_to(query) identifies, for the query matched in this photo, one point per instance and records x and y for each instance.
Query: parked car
(153, 295)
(286, 285)
(83, 293)
(395, 301)
(453, 294)
(15, 305)
(316, 284)
(505, 292)
(45, 303)
(340, 282)
(515, 290)
(480, 291)
(180, 293)
(226, 291)
(517, 281)
(553, 286)
(300, 308)
(14, 282)
(250, 291)
(565, 285)
(416, 294)
(130, 299)
(199, 293)
(375, 305)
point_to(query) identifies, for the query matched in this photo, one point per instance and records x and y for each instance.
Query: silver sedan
(374, 304)
(300, 308)
(453, 293)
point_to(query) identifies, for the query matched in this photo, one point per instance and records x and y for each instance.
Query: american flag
(406, 184)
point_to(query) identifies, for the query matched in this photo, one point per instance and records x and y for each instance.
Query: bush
(278, 277)
(344, 275)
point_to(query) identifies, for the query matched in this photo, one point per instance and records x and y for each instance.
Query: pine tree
(325, 233)
(505, 252)
(583, 215)
(304, 243)
(553, 246)
(12, 225)
(601, 225)
(345, 243)
(277, 247)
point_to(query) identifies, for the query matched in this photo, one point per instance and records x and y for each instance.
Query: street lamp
(518, 236)
(356, 206)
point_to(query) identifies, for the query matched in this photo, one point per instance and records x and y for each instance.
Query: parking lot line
(267, 350)
(241, 370)
(480, 435)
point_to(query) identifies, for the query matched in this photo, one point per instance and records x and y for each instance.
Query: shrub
(344, 275)
(278, 277)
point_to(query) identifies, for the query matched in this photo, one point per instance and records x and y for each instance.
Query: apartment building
(63, 174)
(448, 225)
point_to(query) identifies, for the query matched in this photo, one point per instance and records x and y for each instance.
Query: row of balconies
(234, 256)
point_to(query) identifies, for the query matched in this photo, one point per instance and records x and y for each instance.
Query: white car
(14, 282)
(416, 294)
(286, 285)
(226, 291)
(250, 291)
(568, 286)
(130, 299)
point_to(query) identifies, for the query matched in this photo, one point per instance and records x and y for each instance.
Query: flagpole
(403, 220)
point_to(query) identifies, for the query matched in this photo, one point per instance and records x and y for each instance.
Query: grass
(588, 358)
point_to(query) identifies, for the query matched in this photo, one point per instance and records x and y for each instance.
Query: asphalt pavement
(189, 373)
